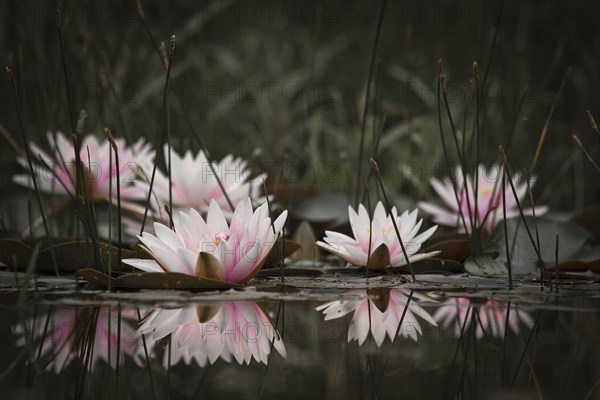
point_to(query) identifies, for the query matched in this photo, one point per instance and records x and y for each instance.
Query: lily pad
(572, 238)
(457, 248)
(587, 259)
(578, 266)
(153, 280)
(573, 244)
(485, 265)
(289, 271)
(432, 266)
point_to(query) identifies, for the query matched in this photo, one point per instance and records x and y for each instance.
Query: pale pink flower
(68, 332)
(212, 248)
(385, 246)
(490, 317)
(233, 330)
(97, 171)
(367, 314)
(193, 184)
(489, 199)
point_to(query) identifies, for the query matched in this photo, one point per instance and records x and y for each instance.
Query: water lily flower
(212, 248)
(233, 330)
(96, 169)
(193, 184)
(489, 200)
(383, 242)
(67, 331)
(490, 317)
(379, 312)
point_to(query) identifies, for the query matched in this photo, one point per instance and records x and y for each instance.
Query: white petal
(189, 258)
(167, 236)
(246, 264)
(280, 221)
(144, 265)
(399, 260)
(424, 235)
(216, 220)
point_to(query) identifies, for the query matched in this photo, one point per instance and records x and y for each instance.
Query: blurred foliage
(283, 83)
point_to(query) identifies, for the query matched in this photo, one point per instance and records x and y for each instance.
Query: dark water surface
(303, 343)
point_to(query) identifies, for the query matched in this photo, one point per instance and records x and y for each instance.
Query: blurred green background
(283, 83)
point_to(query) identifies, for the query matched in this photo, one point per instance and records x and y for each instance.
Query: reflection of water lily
(486, 204)
(193, 184)
(234, 330)
(96, 169)
(385, 246)
(491, 316)
(67, 337)
(213, 248)
(381, 310)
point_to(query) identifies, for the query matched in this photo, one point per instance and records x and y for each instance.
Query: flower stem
(162, 131)
(508, 256)
(389, 209)
(116, 150)
(440, 82)
(367, 96)
(183, 105)
(516, 197)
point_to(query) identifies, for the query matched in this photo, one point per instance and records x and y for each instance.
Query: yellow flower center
(486, 192)
(384, 231)
(219, 237)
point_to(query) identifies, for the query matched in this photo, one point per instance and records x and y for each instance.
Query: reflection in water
(490, 316)
(239, 330)
(556, 358)
(382, 311)
(85, 335)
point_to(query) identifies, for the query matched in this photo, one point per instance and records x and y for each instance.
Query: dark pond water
(303, 343)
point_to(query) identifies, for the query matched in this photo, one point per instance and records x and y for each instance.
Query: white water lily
(382, 239)
(194, 185)
(489, 200)
(96, 169)
(213, 248)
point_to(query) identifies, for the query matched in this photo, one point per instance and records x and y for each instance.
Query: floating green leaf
(153, 280)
